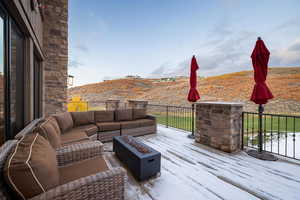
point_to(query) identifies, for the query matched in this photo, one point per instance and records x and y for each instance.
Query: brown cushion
(50, 132)
(31, 169)
(64, 121)
(55, 124)
(104, 116)
(81, 169)
(90, 129)
(139, 113)
(146, 122)
(83, 118)
(123, 115)
(108, 126)
(130, 124)
(73, 136)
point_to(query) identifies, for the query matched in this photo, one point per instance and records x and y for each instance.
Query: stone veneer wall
(218, 125)
(55, 46)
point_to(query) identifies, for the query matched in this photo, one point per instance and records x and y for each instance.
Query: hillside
(283, 82)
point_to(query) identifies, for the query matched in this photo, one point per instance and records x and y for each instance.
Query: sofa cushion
(146, 122)
(73, 136)
(83, 118)
(64, 121)
(108, 126)
(81, 169)
(104, 116)
(139, 113)
(54, 123)
(50, 132)
(123, 115)
(129, 124)
(90, 129)
(31, 169)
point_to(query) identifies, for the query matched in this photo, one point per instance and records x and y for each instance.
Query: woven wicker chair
(103, 185)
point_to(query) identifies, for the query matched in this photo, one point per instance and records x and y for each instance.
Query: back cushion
(50, 131)
(104, 116)
(31, 168)
(123, 115)
(83, 118)
(139, 113)
(64, 121)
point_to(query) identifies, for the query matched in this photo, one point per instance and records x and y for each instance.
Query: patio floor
(192, 171)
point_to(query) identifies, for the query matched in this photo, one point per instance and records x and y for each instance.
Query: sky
(114, 38)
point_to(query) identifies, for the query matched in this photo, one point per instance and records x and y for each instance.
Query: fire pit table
(142, 160)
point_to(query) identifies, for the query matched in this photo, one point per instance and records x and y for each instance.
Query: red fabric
(193, 93)
(260, 58)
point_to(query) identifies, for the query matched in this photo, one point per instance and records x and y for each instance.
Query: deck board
(192, 171)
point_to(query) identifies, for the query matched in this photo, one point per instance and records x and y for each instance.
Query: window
(2, 83)
(37, 90)
(16, 79)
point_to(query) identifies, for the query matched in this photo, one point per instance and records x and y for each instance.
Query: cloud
(286, 57)
(82, 48)
(291, 23)
(74, 64)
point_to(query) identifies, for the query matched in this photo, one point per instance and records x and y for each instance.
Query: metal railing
(280, 133)
(174, 116)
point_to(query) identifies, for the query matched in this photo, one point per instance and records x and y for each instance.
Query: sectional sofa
(61, 156)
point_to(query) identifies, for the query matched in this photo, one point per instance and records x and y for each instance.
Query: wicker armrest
(103, 186)
(78, 151)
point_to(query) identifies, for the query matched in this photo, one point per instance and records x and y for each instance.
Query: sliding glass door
(2, 83)
(16, 79)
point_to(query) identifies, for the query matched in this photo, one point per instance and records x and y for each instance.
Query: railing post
(167, 119)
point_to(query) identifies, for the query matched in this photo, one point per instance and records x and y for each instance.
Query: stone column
(218, 125)
(112, 104)
(55, 46)
(137, 104)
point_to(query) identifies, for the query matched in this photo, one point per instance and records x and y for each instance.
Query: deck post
(219, 124)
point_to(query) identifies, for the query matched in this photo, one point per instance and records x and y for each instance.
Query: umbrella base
(191, 136)
(262, 155)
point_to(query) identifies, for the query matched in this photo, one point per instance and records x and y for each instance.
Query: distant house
(133, 77)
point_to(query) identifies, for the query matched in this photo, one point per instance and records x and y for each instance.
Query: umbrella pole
(260, 139)
(259, 154)
(192, 135)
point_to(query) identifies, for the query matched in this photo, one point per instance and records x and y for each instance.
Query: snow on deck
(193, 171)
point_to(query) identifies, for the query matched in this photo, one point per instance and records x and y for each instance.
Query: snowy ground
(193, 172)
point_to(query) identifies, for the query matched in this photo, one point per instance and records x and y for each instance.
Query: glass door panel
(2, 84)
(16, 80)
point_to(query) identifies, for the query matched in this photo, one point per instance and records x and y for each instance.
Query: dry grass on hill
(283, 82)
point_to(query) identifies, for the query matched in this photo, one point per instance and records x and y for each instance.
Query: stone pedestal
(135, 104)
(219, 124)
(112, 104)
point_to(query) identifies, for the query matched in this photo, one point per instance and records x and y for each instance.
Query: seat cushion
(139, 113)
(74, 135)
(81, 169)
(90, 129)
(104, 116)
(50, 131)
(64, 121)
(123, 115)
(129, 124)
(146, 122)
(108, 126)
(83, 118)
(31, 169)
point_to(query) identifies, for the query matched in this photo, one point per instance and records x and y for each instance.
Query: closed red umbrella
(260, 58)
(193, 93)
(261, 93)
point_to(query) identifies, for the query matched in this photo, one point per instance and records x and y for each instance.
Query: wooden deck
(192, 171)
